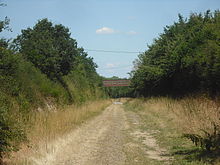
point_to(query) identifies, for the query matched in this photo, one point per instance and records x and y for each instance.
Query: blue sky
(117, 25)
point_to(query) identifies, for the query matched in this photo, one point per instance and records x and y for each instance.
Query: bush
(11, 132)
(210, 141)
(23, 88)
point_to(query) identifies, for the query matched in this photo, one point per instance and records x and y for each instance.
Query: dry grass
(192, 115)
(196, 115)
(173, 118)
(50, 125)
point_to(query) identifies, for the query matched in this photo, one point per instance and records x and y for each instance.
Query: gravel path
(97, 142)
(112, 138)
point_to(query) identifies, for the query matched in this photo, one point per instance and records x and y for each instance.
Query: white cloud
(105, 30)
(110, 65)
(131, 32)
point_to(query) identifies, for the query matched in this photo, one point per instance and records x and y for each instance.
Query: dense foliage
(185, 58)
(43, 66)
(50, 48)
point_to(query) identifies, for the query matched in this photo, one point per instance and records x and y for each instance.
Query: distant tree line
(184, 59)
(118, 91)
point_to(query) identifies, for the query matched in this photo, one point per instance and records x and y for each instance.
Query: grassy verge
(50, 125)
(169, 119)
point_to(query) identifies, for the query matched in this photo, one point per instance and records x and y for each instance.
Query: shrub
(11, 132)
(210, 141)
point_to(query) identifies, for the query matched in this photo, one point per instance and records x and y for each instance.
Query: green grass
(156, 116)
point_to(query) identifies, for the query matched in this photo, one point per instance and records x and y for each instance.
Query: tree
(49, 47)
(185, 58)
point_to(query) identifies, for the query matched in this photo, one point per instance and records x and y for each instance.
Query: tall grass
(175, 121)
(48, 125)
(198, 118)
(197, 114)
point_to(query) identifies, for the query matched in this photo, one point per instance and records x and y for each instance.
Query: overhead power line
(110, 51)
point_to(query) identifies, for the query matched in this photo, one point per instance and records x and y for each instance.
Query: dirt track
(101, 141)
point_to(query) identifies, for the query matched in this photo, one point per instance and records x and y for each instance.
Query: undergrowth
(179, 121)
(26, 93)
